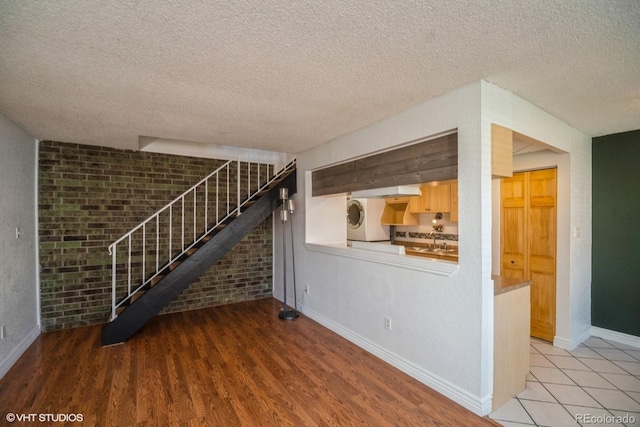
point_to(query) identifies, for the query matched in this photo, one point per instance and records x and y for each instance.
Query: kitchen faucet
(433, 235)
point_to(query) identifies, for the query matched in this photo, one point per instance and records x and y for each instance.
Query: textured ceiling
(288, 75)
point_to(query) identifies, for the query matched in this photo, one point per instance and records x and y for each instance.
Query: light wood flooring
(233, 365)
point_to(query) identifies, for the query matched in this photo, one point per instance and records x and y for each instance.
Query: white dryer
(363, 220)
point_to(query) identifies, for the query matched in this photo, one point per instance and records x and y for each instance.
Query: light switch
(17, 232)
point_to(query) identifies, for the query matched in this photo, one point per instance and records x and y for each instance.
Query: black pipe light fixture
(286, 313)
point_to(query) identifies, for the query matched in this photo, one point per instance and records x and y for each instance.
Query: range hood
(398, 190)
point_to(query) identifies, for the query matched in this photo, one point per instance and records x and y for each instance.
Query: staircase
(191, 233)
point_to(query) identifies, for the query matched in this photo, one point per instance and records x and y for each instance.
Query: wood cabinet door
(416, 204)
(440, 198)
(454, 202)
(436, 198)
(528, 242)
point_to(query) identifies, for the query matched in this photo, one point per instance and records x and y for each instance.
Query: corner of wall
(37, 240)
(19, 309)
(15, 354)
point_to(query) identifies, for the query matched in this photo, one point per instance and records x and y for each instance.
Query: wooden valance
(432, 160)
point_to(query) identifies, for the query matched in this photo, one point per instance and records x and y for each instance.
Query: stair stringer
(159, 296)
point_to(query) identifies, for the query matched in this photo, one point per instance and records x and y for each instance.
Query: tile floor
(598, 383)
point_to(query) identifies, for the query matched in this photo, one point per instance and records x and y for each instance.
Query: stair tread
(156, 279)
(136, 296)
(174, 265)
(287, 173)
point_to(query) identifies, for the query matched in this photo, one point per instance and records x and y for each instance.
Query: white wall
(573, 264)
(19, 306)
(442, 330)
(442, 327)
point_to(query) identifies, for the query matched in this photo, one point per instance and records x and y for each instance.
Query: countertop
(449, 255)
(502, 285)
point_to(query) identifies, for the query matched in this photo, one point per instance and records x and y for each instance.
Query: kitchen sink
(429, 250)
(441, 250)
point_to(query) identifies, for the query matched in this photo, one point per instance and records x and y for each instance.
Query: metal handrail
(222, 177)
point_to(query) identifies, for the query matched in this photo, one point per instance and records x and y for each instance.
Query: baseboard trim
(571, 344)
(13, 357)
(477, 405)
(562, 343)
(620, 337)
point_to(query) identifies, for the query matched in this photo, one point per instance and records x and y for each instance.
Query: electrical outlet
(387, 323)
(306, 289)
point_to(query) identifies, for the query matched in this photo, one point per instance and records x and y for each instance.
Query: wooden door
(513, 239)
(528, 242)
(542, 252)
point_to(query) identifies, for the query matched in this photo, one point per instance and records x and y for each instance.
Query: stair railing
(181, 224)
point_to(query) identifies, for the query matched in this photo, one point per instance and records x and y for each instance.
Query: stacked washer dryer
(363, 220)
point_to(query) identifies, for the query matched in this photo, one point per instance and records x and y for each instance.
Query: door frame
(527, 233)
(544, 160)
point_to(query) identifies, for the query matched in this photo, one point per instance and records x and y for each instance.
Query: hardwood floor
(233, 365)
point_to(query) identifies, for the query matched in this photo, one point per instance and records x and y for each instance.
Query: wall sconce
(436, 226)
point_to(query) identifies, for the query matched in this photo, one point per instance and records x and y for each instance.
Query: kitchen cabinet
(511, 342)
(416, 204)
(396, 212)
(439, 198)
(501, 151)
(454, 201)
(434, 198)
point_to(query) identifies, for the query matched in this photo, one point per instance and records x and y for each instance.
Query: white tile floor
(596, 384)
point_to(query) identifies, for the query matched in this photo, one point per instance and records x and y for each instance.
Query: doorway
(528, 218)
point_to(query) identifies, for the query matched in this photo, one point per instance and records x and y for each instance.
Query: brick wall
(89, 196)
